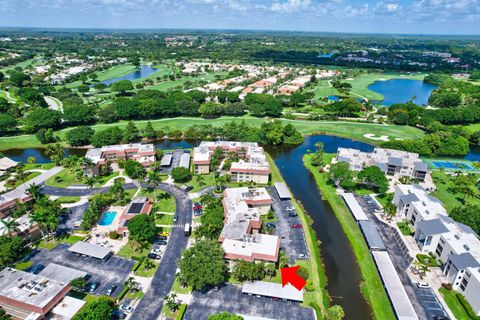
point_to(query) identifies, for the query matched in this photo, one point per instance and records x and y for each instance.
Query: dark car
(175, 218)
(292, 214)
(296, 225)
(197, 213)
(270, 225)
(92, 286)
(111, 289)
(118, 314)
(161, 242)
(197, 204)
(154, 256)
(187, 188)
(160, 238)
(35, 269)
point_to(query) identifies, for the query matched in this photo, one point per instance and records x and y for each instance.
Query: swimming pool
(107, 218)
(452, 165)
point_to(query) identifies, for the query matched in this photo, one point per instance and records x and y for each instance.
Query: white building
(392, 162)
(415, 204)
(252, 166)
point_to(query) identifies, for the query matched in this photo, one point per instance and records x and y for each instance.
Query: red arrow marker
(290, 275)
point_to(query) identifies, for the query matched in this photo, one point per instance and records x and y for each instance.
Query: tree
(224, 316)
(79, 114)
(373, 178)
(107, 114)
(83, 88)
(335, 313)
(40, 118)
(468, 215)
(149, 132)
(31, 160)
(99, 309)
(35, 192)
(317, 159)
(135, 170)
(202, 265)
(45, 215)
(7, 123)
(100, 86)
(340, 173)
(107, 137)
(248, 271)
(54, 152)
(45, 136)
(181, 174)
(79, 136)
(122, 86)
(18, 78)
(142, 228)
(79, 283)
(11, 248)
(131, 133)
(211, 221)
(172, 302)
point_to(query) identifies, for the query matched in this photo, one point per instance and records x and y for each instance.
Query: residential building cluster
(142, 153)
(240, 237)
(252, 167)
(391, 162)
(455, 245)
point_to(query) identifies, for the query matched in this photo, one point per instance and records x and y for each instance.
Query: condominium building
(240, 235)
(252, 166)
(469, 286)
(415, 204)
(392, 162)
(142, 153)
(26, 295)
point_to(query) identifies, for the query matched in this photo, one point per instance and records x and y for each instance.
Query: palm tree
(10, 225)
(31, 160)
(21, 174)
(89, 181)
(35, 192)
(54, 152)
(207, 199)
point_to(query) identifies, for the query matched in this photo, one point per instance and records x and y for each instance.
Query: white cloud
(392, 7)
(290, 6)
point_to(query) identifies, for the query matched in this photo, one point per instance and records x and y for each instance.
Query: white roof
(282, 190)
(166, 160)
(185, 160)
(398, 296)
(89, 249)
(354, 207)
(7, 163)
(263, 244)
(271, 289)
(61, 273)
(67, 308)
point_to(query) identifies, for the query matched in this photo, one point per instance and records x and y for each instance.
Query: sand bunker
(374, 137)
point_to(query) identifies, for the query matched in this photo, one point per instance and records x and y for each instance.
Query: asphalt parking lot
(292, 239)
(424, 301)
(230, 298)
(73, 219)
(176, 154)
(113, 271)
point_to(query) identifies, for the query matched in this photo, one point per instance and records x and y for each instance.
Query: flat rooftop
(354, 207)
(89, 249)
(271, 289)
(61, 273)
(29, 288)
(282, 190)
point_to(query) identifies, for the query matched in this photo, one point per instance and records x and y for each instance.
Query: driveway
(81, 192)
(401, 261)
(230, 298)
(292, 240)
(113, 271)
(74, 218)
(152, 302)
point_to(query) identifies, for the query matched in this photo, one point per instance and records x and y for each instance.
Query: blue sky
(384, 16)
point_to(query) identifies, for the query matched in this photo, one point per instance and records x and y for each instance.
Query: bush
(113, 235)
(181, 311)
(447, 286)
(181, 174)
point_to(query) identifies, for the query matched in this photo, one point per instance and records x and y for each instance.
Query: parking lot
(230, 298)
(424, 301)
(113, 271)
(292, 239)
(176, 154)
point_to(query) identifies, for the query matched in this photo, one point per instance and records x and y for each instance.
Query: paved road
(55, 191)
(423, 307)
(230, 298)
(151, 304)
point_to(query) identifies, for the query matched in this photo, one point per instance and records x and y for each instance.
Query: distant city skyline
(360, 16)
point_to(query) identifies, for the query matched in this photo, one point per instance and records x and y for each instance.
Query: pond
(142, 72)
(403, 90)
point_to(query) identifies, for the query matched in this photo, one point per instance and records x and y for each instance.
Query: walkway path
(9, 97)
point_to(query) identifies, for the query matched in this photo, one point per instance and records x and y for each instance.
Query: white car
(126, 308)
(423, 285)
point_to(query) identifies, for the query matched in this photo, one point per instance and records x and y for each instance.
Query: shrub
(113, 235)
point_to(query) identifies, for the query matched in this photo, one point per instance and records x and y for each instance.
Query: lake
(142, 72)
(403, 90)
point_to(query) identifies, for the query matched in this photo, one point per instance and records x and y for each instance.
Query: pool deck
(115, 223)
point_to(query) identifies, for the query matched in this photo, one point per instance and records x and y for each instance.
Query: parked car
(186, 188)
(175, 218)
(290, 209)
(423, 285)
(270, 225)
(302, 256)
(197, 213)
(92, 286)
(296, 225)
(164, 234)
(118, 314)
(160, 238)
(197, 207)
(126, 307)
(161, 242)
(197, 204)
(35, 269)
(155, 256)
(111, 289)
(292, 214)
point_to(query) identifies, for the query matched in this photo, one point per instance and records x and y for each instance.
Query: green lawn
(444, 194)
(142, 272)
(206, 180)
(372, 285)
(354, 130)
(454, 304)
(68, 199)
(23, 265)
(171, 84)
(65, 179)
(48, 245)
(29, 177)
(128, 252)
(165, 202)
(41, 166)
(177, 287)
(164, 219)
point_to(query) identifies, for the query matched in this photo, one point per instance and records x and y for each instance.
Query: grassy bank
(372, 287)
(319, 296)
(353, 130)
(444, 192)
